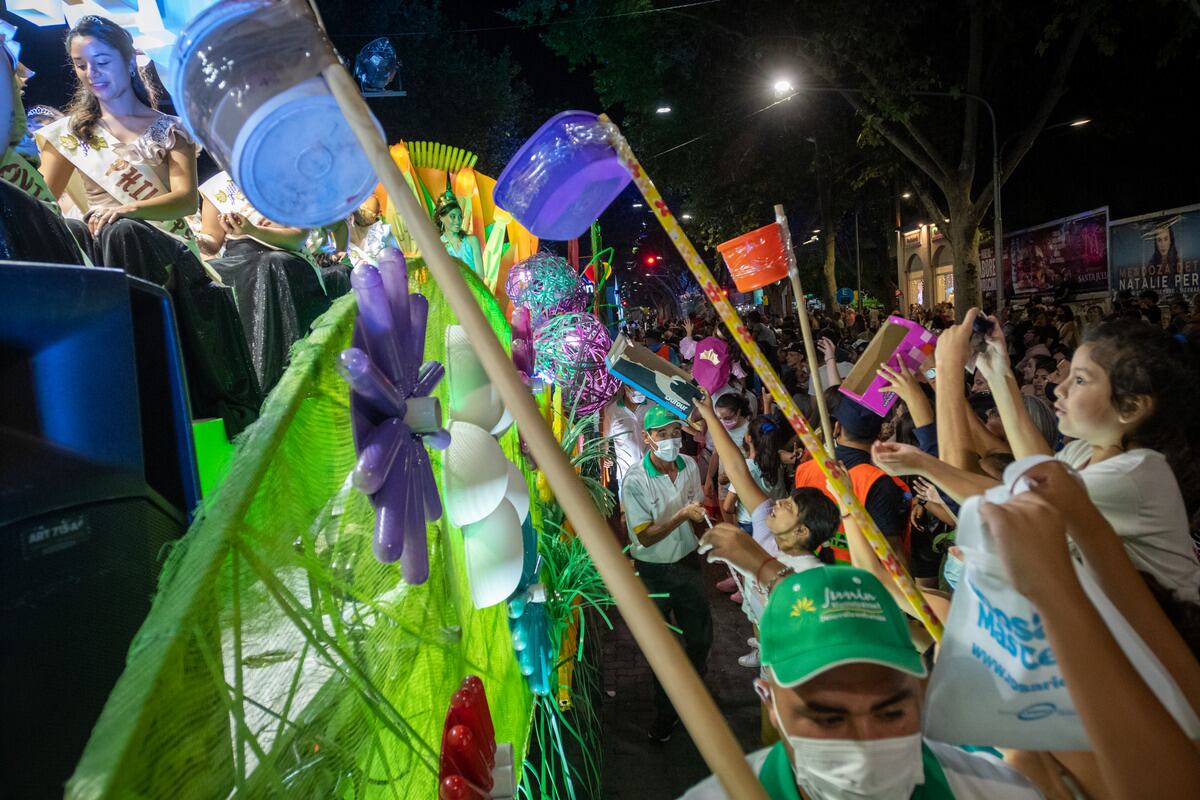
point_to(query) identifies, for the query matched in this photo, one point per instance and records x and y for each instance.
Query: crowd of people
(1092, 415)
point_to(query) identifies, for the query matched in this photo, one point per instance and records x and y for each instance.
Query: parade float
(388, 592)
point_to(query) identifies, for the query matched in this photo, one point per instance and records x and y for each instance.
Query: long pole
(696, 708)
(805, 325)
(836, 477)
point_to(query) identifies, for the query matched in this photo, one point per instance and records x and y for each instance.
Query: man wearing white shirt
(623, 428)
(661, 498)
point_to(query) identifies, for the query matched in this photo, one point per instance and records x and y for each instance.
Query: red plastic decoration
(756, 258)
(455, 787)
(468, 745)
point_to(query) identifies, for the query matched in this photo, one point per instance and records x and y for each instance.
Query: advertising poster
(989, 281)
(1159, 251)
(1067, 256)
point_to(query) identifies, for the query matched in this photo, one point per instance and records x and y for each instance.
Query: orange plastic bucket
(757, 258)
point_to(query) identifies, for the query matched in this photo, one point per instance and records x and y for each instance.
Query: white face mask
(850, 769)
(668, 449)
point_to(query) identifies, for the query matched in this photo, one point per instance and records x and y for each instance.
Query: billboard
(1159, 251)
(1069, 255)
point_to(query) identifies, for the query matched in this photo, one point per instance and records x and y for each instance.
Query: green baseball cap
(658, 417)
(829, 616)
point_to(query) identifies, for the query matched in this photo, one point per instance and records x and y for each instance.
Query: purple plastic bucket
(562, 178)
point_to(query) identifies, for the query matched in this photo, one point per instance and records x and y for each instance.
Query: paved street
(634, 767)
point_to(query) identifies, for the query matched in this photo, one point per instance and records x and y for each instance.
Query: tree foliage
(713, 64)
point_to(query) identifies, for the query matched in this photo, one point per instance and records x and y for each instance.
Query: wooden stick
(704, 722)
(837, 478)
(805, 326)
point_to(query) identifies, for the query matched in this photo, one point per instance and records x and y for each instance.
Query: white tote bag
(996, 681)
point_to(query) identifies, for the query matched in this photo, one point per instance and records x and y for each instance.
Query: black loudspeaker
(97, 476)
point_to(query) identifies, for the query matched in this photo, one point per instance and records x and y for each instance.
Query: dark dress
(221, 380)
(278, 297)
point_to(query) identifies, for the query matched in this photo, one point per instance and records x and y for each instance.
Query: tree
(728, 151)
(1017, 56)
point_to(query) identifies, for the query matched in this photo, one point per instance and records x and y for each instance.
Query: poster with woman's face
(1159, 252)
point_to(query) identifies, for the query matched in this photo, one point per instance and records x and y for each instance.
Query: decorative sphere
(569, 351)
(376, 65)
(547, 285)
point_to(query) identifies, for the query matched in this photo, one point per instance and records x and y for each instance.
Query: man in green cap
(661, 497)
(845, 688)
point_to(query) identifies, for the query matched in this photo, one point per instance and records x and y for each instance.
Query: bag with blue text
(996, 681)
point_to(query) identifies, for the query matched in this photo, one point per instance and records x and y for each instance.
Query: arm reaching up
(1140, 749)
(731, 456)
(1023, 436)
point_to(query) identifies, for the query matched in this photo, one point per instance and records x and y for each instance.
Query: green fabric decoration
(280, 658)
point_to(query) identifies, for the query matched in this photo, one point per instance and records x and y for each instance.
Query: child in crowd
(790, 529)
(764, 440)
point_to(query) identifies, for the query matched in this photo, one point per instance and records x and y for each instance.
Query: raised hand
(898, 459)
(1030, 534)
(901, 382)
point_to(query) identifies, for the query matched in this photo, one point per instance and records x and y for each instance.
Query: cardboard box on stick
(652, 375)
(898, 342)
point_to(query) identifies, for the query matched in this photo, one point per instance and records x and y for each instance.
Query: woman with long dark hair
(139, 169)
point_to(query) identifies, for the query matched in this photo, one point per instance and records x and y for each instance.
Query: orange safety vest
(862, 478)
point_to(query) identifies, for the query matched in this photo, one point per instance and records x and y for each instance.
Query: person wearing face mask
(623, 428)
(845, 689)
(661, 500)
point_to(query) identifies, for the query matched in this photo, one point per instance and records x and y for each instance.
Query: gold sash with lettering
(124, 181)
(15, 169)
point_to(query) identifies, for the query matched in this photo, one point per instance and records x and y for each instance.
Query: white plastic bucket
(245, 79)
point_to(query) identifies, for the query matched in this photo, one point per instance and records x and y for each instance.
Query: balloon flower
(392, 415)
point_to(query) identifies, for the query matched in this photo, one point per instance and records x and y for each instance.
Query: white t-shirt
(624, 425)
(754, 598)
(773, 492)
(972, 776)
(649, 496)
(1137, 493)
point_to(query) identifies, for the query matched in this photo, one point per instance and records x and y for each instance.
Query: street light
(685, 216)
(1078, 122)
(784, 87)
(906, 195)
(663, 110)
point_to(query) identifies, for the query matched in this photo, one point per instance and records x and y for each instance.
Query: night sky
(1139, 154)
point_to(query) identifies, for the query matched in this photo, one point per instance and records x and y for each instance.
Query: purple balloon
(394, 271)
(430, 373)
(379, 454)
(438, 441)
(388, 543)
(378, 326)
(414, 562)
(370, 383)
(418, 316)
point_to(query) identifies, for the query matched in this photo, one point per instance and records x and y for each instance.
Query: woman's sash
(126, 182)
(224, 194)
